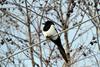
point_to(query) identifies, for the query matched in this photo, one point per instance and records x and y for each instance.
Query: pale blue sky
(84, 38)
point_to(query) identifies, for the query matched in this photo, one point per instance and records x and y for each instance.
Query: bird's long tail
(62, 51)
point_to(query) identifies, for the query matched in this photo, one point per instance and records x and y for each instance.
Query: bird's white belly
(51, 33)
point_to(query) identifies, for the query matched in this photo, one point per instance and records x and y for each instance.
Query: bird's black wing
(60, 47)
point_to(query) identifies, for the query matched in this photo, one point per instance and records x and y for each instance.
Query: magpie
(49, 31)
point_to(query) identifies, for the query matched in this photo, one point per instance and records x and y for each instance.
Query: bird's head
(47, 25)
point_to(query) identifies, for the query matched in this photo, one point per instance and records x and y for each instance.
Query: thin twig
(45, 40)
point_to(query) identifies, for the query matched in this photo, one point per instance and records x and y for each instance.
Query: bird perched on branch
(50, 32)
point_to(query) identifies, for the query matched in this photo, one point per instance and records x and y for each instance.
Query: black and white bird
(49, 31)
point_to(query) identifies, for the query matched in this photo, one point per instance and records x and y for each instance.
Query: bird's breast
(51, 33)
